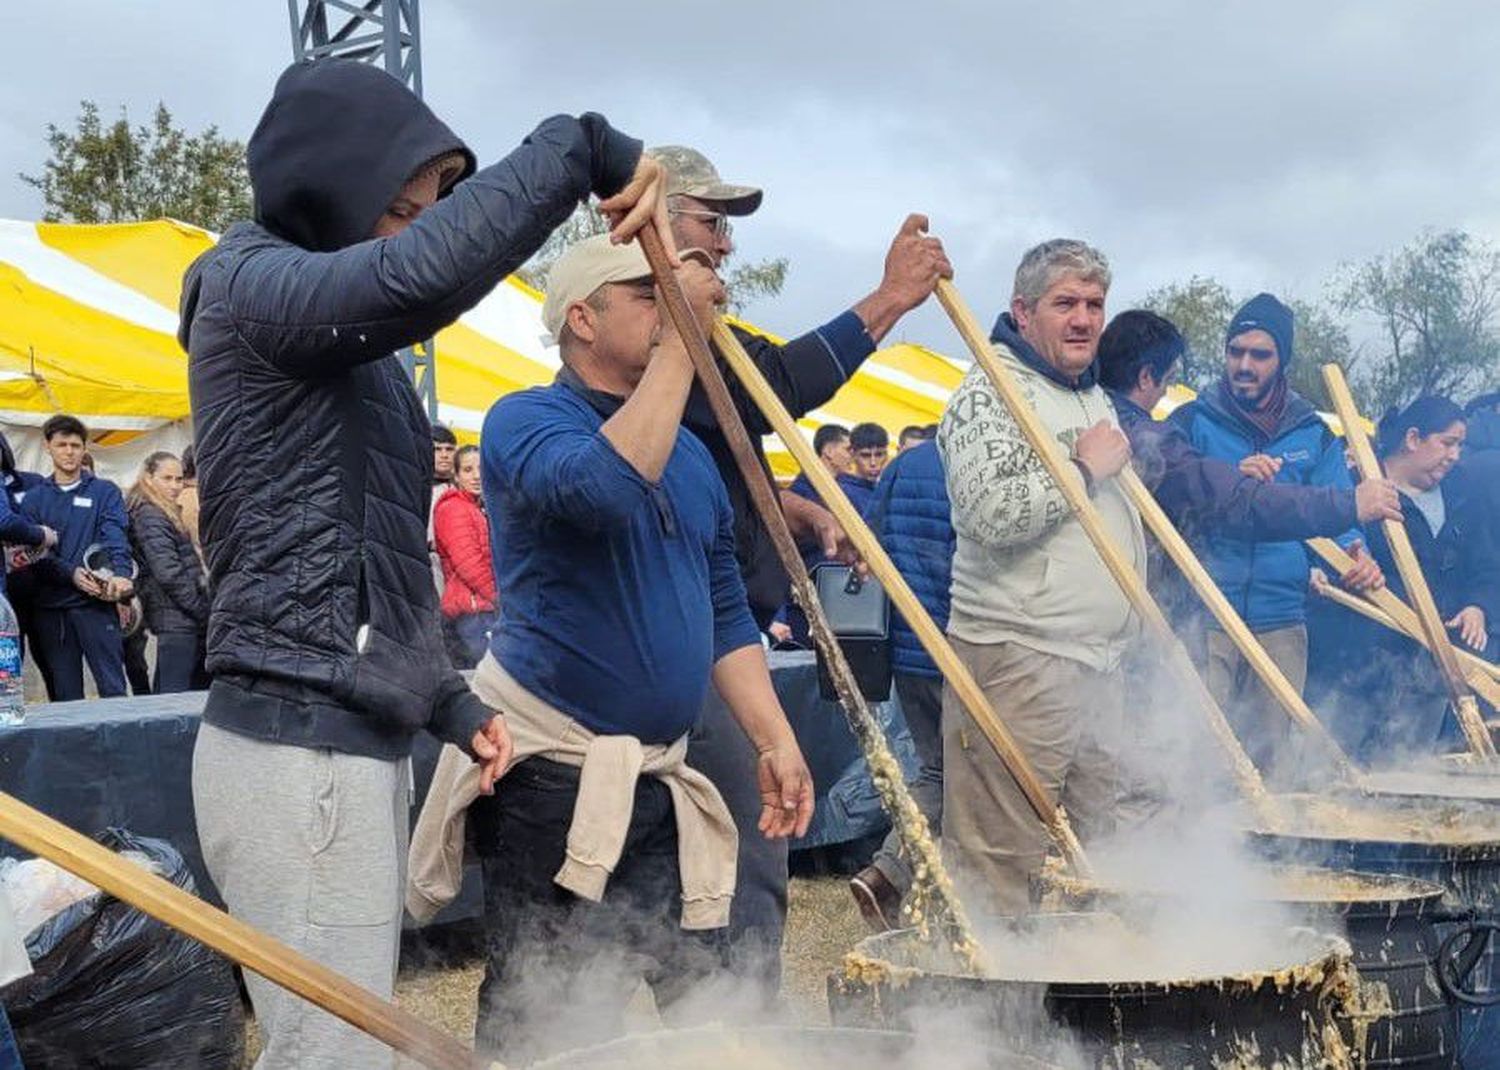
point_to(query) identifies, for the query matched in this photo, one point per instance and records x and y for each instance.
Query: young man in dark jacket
(1251, 418)
(315, 465)
(73, 615)
(911, 514)
(805, 372)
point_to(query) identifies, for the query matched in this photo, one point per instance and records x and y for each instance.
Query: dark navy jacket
(858, 490)
(1265, 581)
(92, 512)
(1480, 465)
(913, 519)
(1461, 562)
(15, 529)
(804, 373)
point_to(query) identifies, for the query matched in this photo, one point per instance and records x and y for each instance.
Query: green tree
(745, 283)
(100, 173)
(748, 283)
(1434, 304)
(1202, 307)
(1321, 339)
(585, 222)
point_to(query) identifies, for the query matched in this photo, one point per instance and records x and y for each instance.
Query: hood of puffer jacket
(335, 145)
(332, 149)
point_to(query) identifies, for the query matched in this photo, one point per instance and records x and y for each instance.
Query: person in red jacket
(462, 537)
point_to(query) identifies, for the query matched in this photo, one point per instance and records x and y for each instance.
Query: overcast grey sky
(1263, 144)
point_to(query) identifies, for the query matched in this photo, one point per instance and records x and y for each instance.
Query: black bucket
(717, 1048)
(1466, 865)
(1284, 1017)
(1402, 1018)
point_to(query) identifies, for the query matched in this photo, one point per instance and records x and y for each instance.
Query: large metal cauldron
(1452, 843)
(1402, 1017)
(787, 1048)
(1282, 1017)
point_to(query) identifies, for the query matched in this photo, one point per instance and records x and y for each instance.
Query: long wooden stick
(34, 831)
(1383, 607)
(1234, 625)
(965, 687)
(1070, 484)
(1479, 739)
(885, 771)
(1401, 615)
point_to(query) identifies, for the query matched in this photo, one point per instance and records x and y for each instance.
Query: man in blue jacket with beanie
(1253, 419)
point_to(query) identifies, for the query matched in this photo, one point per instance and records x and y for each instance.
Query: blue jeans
(922, 703)
(179, 663)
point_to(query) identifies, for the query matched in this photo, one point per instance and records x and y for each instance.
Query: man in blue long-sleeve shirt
(73, 617)
(613, 542)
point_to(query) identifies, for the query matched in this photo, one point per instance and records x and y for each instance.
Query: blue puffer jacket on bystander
(911, 515)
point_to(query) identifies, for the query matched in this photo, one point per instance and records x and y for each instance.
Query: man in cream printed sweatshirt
(1036, 616)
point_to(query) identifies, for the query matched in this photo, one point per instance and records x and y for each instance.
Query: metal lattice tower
(385, 33)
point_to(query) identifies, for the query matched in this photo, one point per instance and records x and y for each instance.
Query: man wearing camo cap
(805, 373)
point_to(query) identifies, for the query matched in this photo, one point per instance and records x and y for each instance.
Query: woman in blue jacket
(1450, 533)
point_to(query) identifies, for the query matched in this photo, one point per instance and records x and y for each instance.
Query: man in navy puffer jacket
(910, 513)
(1253, 419)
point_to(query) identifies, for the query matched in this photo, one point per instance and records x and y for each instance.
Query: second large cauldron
(1402, 1020)
(1119, 1014)
(1451, 842)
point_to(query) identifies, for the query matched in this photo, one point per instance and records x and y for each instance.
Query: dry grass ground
(822, 923)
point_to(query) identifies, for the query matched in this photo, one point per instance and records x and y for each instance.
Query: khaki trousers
(1262, 725)
(1066, 718)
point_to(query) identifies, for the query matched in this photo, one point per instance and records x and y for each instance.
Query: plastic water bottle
(12, 687)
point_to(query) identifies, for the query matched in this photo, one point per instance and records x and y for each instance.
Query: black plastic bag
(114, 988)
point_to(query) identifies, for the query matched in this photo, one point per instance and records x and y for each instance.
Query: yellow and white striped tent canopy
(88, 321)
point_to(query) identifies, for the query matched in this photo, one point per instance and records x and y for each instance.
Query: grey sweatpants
(308, 846)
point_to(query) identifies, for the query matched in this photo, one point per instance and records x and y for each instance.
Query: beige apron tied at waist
(707, 843)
